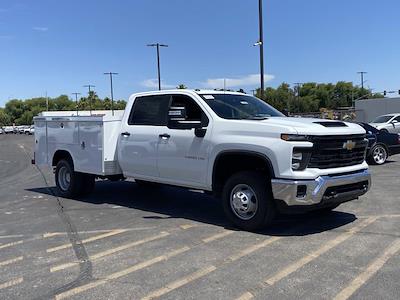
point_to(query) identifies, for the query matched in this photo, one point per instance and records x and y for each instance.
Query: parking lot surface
(131, 242)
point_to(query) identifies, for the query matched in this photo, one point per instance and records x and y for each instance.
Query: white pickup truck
(241, 149)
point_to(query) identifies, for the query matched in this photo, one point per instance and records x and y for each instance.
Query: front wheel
(378, 155)
(247, 200)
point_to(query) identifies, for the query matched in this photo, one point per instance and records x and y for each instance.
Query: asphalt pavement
(129, 242)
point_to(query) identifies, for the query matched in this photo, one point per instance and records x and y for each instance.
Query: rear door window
(150, 110)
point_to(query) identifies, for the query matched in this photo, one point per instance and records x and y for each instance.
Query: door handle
(125, 133)
(164, 136)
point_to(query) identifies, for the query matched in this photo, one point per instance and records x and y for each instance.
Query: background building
(367, 110)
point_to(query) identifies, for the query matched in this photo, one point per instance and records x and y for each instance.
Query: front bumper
(322, 190)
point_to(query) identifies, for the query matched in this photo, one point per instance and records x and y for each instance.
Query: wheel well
(59, 155)
(226, 164)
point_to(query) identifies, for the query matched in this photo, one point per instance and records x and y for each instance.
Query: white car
(8, 129)
(29, 130)
(1, 131)
(233, 145)
(389, 123)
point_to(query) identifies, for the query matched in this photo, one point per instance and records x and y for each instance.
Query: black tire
(378, 155)
(384, 130)
(72, 187)
(253, 185)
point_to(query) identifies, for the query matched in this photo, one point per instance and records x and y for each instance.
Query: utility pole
(362, 78)
(76, 101)
(89, 86)
(112, 91)
(158, 45)
(260, 43)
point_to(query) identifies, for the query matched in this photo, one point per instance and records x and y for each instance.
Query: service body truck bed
(91, 140)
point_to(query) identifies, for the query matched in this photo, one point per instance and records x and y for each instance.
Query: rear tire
(247, 200)
(70, 183)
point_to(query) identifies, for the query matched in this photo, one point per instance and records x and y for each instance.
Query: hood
(313, 126)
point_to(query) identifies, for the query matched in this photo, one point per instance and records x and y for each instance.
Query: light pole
(260, 43)
(112, 91)
(158, 45)
(89, 86)
(76, 101)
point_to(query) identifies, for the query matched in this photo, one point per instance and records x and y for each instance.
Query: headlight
(300, 158)
(294, 137)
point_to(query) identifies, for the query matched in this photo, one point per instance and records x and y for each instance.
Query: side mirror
(394, 122)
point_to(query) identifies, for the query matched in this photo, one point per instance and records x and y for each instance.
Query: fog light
(301, 191)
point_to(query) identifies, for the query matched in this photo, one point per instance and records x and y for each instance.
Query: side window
(397, 119)
(193, 110)
(150, 110)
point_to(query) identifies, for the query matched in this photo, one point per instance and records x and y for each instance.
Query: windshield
(382, 119)
(239, 107)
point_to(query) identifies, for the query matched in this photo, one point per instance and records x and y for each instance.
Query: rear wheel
(247, 200)
(378, 155)
(70, 183)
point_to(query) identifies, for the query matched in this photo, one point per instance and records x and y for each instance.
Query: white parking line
(111, 251)
(11, 283)
(315, 254)
(119, 274)
(179, 283)
(11, 261)
(11, 244)
(91, 239)
(370, 271)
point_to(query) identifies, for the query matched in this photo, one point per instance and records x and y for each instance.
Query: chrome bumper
(316, 190)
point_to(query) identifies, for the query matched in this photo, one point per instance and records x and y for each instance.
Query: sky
(56, 47)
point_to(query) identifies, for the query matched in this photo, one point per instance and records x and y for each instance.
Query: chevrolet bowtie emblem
(349, 145)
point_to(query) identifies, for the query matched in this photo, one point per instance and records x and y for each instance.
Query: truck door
(183, 156)
(137, 153)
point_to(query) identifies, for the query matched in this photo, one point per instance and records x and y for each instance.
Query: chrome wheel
(243, 201)
(379, 154)
(64, 178)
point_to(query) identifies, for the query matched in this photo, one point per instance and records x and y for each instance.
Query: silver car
(389, 123)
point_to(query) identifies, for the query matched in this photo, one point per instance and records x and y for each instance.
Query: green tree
(181, 86)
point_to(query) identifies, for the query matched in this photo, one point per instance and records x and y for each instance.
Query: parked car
(233, 145)
(21, 129)
(1, 131)
(8, 129)
(388, 123)
(381, 144)
(29, 130)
